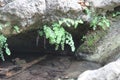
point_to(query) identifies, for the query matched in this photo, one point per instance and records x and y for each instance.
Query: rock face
(109, 72)
(22, 12)
(26, 13)
(100, 48)
(105, 4)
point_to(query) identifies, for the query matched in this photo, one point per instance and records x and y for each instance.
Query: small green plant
(99, 21)
(3, 42)
(70, 22)
(17, 29)
(116, 14)
(3, 47)
(57, 35)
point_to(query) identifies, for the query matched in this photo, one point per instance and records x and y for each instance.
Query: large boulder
(30, 15)
(25, 13)
(101, 46)
(109, 72)
(105, 4)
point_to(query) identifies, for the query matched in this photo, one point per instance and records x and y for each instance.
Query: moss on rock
(91, 40)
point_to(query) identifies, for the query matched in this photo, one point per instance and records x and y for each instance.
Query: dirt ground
(53, 67)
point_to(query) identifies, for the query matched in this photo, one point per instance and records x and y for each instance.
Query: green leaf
(76, 24)
(2, 56)
(1, 26)
(68, 25)
(80, 21)
(40, 33)
(87, 11)
(7, 50)
(17, 29)
(60, 22)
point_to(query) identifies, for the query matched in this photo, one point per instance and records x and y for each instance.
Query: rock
(35, 13)
(110, 71)
(78, 67)
(22, 12)
(101, 47)
(105, 4)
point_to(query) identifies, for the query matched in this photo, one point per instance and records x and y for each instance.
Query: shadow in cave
(79, 32)
(24, 45)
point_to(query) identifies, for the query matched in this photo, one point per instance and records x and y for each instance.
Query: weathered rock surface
(78, 67)
(102, 48)
(29, 12)
(109, 72)
(105, 4)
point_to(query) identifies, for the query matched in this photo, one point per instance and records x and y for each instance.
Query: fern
(57, 35)
(3, 46)
(70, 22)
(96, 20)
(17, 29)
(3, 42)
(99, 21)
(116, 14)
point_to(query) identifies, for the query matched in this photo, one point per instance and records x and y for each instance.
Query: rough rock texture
(105, 49)
(25, 13)
(28, 12)
(109, 72)
(78, 67)
(105, 4)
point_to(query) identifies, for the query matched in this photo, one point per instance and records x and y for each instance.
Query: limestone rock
(35, 13)
(102, 48)
(109, 72)
(25, 13)
(105, 4)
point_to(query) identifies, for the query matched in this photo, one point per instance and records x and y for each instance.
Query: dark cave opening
(24, 45)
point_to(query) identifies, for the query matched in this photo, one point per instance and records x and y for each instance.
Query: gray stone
(110, 71)
(105, 4)
(25, 13)
(105, 49)
(28, 12)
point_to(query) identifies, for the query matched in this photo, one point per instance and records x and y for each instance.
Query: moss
(91, 40)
